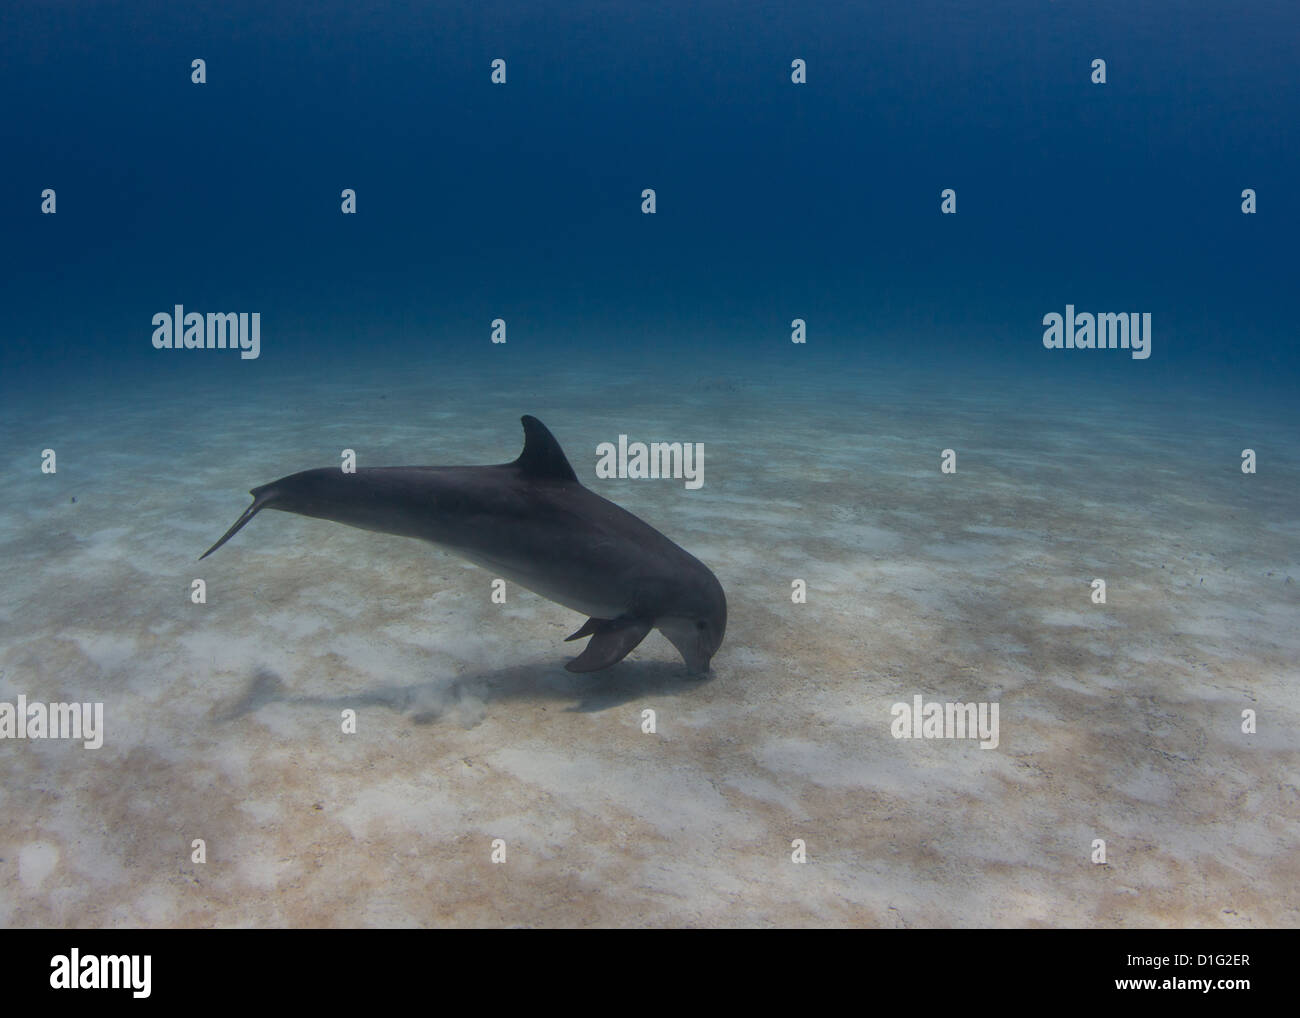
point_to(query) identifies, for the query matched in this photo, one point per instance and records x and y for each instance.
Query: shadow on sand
(426, 702)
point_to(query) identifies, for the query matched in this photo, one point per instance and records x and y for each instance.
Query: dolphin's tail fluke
(261, 498)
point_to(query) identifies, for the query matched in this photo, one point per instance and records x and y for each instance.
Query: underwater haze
(981, 317)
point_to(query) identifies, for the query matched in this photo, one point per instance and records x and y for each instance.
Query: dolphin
(532, 522)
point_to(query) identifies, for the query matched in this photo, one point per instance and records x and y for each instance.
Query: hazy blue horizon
(775, 200)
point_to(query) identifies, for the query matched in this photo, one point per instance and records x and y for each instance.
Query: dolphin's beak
(692, 643)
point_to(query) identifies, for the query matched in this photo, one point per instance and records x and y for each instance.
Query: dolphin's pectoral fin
(612, 641)
(588, 627)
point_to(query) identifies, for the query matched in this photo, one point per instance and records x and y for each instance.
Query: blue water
(776, 201)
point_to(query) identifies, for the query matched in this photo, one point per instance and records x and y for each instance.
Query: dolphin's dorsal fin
(542, 458)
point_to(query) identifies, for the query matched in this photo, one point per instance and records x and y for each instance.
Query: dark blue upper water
(774, 200)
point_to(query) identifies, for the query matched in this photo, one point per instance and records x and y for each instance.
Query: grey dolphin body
(533, 523)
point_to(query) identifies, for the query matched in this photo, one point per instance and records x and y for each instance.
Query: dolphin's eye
(701, 625)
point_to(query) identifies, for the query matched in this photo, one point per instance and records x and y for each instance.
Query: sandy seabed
(1120, 722)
